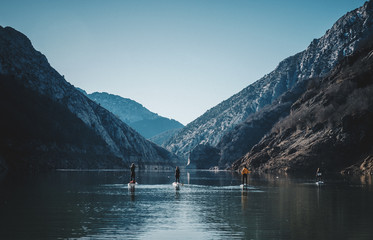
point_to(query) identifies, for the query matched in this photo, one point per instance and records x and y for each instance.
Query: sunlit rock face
(321, 56)
(329, 126)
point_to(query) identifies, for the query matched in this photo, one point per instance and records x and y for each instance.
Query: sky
(178, 58)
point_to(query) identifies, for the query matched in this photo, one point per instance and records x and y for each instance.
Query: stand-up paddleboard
(131, 185)
(319, 182)
(176, 185)
(243, 186)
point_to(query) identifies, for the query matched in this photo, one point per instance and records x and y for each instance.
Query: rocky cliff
(245, 135)
(36, 99)
(322, 55)
(237, 142)
(329, 126)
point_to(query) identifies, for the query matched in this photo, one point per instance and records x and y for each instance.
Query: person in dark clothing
(177, 175)
(318, 175)
(133, 177)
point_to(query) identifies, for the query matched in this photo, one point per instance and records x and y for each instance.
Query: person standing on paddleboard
(318, 175)
(177, 175)
(133, 177)
(244, 173)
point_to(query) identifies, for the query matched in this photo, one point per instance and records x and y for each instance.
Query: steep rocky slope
(322, 55)
(145, 122)
(77, 124)
(244, 136)
(330, 125)
(237, 142)
(37, 133)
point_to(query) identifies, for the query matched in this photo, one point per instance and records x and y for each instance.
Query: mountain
(153, 127)
(329, 126)
(47, 123)
(237, 142)
(147, 123)
(126, 109)
(321, 56)
(165, 136)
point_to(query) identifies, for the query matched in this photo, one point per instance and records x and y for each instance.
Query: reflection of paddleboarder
(244, 173)
(133, 177)
(177, 175)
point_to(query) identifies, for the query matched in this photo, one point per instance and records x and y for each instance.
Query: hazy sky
(177, 58)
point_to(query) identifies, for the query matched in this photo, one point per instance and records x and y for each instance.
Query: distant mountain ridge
(126, 109)
(48, 124)
(321, 56)
(147, 123)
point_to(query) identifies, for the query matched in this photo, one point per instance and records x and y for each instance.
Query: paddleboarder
(177, 175)
(133, 177)
(244, 173)
(318, 175)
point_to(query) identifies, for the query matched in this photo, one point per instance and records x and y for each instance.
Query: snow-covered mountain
(147, 123)
(345, 36)
(50, 124)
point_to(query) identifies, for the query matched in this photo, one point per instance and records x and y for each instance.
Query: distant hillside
(147, 123)
(153, 127)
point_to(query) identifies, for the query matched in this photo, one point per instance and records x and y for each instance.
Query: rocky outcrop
(82, 133)
(145, 122)
(360, 168)
(322, 55)
(330, 125)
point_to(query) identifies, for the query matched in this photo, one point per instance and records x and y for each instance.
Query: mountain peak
(85, 135)
(342, 39)
(329, 125)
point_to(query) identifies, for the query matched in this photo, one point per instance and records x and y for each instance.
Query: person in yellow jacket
(244, 173)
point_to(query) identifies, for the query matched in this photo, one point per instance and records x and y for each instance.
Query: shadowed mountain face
(39, 133)
(47, 123)
(329, 126)
(322, 55)
(145, 122)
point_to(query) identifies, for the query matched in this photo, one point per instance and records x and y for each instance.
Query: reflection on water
(210, 205)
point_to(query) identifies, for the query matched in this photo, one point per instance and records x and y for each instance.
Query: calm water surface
(210, 205)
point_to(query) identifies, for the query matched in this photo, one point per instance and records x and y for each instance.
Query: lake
(210, 205)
